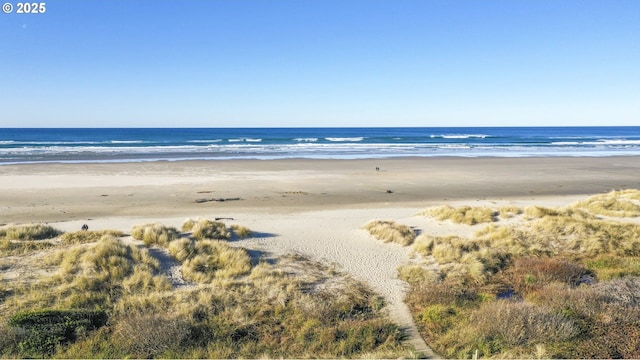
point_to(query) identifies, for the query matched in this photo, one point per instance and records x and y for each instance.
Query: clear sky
(263, 63)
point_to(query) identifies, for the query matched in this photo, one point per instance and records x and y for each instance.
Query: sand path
(336, 236)
(333, 236)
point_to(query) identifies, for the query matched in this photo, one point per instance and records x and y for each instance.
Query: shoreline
(93, 160)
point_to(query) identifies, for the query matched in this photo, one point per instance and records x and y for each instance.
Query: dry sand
(311, 207)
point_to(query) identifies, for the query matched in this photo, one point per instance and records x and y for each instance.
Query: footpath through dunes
(331, 236)
(336, 236)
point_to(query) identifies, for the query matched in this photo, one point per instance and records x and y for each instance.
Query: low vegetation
(13, 247)
(29, 232)
(154, 234)
(241, 232)
(205, 260)
(622, 203)
(562, 283)
(83, 237)
(109, 299)
(391, 231)
(462, 215)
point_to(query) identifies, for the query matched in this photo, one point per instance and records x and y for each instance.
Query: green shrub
(44, 330)
(607, 267)
(529, 274)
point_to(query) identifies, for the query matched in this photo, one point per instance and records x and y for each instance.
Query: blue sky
(218, 63)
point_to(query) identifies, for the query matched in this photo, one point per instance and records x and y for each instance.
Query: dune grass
(204, 229)
(205, 260)
(13, 247)
(154, 234)
(241, 232)
(29, 232)
(418, 274)
(210, 230)
(391, 231)
(81, 237)
(622, 203)
(559, 284)
(509, 211)
(462, 215)
(291, 307)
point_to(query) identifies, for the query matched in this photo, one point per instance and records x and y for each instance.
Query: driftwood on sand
(217, 199)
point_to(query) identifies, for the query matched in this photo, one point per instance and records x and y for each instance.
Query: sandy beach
(311, 207)
(65, 192)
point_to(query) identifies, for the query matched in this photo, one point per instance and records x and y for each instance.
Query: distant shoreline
(141, 145)
(125, 160)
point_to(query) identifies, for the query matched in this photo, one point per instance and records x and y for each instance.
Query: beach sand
(312, 207)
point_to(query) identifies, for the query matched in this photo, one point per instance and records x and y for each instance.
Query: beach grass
(29, 232)
(241, 232)
(154, 234)
(289, 307)
(205, 229)
(12, 247)
(469, 215)
(559, 283)
(391, 231)
(621, 203)
(88, 236)
(205, 260)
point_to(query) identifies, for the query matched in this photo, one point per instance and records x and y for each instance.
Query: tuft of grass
(205, 229)
(510, 211)
(416, 274)
(241, 231)
(462, 215)
(29, 232)
(622, 203)
(205, 260)
(154, 234)
(536, 212)
(188, 224)
(608, 267)
(11, 248)
(391, 231)
(81, 237)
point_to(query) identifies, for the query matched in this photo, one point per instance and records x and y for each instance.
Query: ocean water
(130, 145)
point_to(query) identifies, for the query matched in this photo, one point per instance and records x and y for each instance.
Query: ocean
(45, 145)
